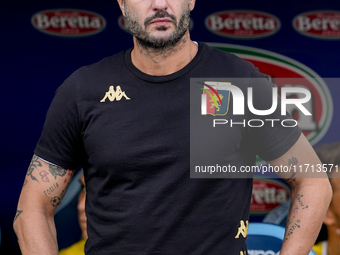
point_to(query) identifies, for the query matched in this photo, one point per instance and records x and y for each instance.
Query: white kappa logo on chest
(113, 94)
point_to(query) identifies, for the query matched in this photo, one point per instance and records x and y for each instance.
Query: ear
(192, 4)
(121, 6)
(329, 218)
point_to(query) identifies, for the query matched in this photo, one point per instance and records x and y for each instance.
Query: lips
(160, 17)
(161, 21)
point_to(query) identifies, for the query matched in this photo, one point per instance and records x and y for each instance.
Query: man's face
(157, 24)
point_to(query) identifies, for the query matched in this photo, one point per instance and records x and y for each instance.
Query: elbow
(325, 191)
(18, 223)
(328, 191)
(320, 188)
(16, 226)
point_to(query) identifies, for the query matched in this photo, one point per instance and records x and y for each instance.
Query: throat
(161, 51)
(163, 61)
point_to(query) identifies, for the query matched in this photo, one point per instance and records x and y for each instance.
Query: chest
(135, 127)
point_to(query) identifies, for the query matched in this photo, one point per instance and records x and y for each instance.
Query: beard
(148, 41)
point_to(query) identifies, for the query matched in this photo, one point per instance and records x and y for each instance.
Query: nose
(160, 5)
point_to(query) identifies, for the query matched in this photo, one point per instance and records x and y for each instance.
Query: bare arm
(309, 200)
(44, 187)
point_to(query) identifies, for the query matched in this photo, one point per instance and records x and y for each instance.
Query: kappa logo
(113, 94)
(243, 229)
(215, 98)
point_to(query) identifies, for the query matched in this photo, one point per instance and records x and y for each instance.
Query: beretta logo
(68, 22)
(285, 72)
(268, 194)
(318, 24)
(242, 24)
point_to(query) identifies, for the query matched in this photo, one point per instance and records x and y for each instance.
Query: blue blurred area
(265, 238)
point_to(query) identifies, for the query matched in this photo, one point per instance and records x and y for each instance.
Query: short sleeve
(60, 142)
(278, 133)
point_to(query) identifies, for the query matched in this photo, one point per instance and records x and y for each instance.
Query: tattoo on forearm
(35, 163)
(55, 201)
(292, 228)
(290, 225)
(17, 214)
(299, 199)
(55, 171)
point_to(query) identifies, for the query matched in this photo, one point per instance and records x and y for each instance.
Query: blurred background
(43, 42)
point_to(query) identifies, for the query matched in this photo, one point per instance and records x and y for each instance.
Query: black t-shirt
(133, 143)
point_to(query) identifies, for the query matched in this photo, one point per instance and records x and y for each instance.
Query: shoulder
(105, 66)
(230, 63)
(85, 77)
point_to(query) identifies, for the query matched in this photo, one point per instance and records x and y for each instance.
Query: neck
(163, 61)
(333, 242)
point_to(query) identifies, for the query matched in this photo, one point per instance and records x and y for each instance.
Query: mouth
(161, 21)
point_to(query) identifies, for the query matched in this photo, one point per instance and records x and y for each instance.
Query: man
(78, 247)
(126, 121)
(329, 155)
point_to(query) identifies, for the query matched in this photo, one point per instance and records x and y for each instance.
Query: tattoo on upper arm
(43, 174)
(17, 214)
(51, 189)
(291, 180)
(292, 163)
(55, 201)
(55, 171)
(35, 163)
